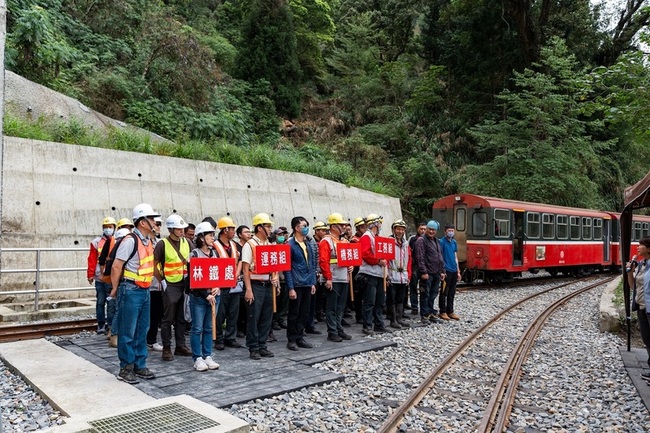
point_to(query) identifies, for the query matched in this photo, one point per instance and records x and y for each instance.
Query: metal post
(3, 35)
(38, 278)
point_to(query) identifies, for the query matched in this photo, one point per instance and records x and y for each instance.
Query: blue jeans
(201, 333)
(428, 296)
(373, 301)
(103, 290)
(134, 324)
(115, 325)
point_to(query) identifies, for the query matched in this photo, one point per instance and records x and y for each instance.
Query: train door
(460, 222)
(607, 227)
(518, 237)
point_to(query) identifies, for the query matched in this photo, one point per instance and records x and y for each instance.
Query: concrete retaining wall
(55, 195)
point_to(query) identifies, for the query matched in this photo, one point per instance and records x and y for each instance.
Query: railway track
(501, 396)
(40, 330)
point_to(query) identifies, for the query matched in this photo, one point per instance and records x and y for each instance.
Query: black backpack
(108, 261)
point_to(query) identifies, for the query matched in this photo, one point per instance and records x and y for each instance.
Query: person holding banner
(228, 311)
(337, 277)
(202, 303)
(371, 273)
(259, 290)
(301, 283)
(431, 266)
(399, 274)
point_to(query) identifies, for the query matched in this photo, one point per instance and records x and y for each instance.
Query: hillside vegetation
(538, 101)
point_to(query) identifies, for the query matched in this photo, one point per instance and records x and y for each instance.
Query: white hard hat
(121, 233)
(143, 210)
(175, 221)
(204, 227)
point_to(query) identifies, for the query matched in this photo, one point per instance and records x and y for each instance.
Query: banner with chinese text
(348, 254)
(206, 273)
(384, 248)
(272, 258)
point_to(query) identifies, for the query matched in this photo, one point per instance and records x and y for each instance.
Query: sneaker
(271, 338)
(200, 365)
(101, 330)
(144, 373)
(157, 347)
(345, 336)
(212, 365)
(241, 334)
(265, 353)
(127, 375)
(335, 338)
(367, 330)
(454, 316)
(255, 354)
(444, 316)
(425, 320)
(414, 311)
(292, 345)
(283, 325)
(380, 329)
(276, 326)
(345, 324)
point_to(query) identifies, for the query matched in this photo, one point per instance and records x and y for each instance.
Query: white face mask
(108, 232)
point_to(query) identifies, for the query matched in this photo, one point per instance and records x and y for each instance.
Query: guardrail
(37, 291)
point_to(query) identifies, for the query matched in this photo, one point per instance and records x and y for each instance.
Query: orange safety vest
(222, 251)
(144, 275)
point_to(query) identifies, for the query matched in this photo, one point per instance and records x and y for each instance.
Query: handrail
(38, 270)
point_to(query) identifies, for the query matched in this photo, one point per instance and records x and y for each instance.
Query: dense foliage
(539, 100)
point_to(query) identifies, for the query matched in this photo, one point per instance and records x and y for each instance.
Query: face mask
(108, 232)
(280, 239)
(450, 234)
(304, 230)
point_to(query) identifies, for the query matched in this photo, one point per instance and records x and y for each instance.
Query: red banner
(272, 258)
(384, 248)
(348, 254)
(206, 273)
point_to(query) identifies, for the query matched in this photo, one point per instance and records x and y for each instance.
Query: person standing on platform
(100, 248)
(131, 274)
(453, 275)
(170, 259)
(399, 273)
(638, 273)
(360, 227)
(258, 294)
(155, 292)
(228, 311)
(337, 278)
(301, 283)
(243, 235)
(372, 272)
(431, 266)
(415, 278)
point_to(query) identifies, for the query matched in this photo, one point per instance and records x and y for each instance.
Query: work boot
(167, 353)
(112, 342)
(399, 312)
(393, 318)
(182, 351)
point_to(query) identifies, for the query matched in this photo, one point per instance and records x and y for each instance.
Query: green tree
(268, 52)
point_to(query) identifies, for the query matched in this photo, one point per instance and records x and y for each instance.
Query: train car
(499, 239)
(640, 229)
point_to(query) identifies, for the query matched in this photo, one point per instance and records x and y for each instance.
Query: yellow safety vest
(174, 270)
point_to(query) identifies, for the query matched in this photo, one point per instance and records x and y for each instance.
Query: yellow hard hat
(359, 221)
(124, 222)
(225, 222)
(336, 218)
(261, 218)
(373, 217)
(109, 221)
(398, 223)
(320, 225)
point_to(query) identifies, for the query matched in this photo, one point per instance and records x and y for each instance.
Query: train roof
(478, 201)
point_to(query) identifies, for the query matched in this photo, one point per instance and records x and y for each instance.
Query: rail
(38, 270)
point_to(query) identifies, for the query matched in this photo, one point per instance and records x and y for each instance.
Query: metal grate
(168, 418)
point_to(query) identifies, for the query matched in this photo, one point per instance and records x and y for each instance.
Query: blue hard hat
(433, 224)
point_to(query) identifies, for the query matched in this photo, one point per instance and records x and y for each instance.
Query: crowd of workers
(142, 284)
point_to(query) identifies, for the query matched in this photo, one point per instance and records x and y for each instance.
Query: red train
(499, 239)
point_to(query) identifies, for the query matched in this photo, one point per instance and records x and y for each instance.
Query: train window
(548, 226)
(598, 229)
(460, 219)
(575, 227)
(479, 224)
(644, 230)
(532, 228)
(562, 227)
(586, 228)
(637, 231)
(501, 223)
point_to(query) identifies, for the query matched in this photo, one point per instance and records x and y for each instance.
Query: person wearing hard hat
(317, 300)
(170, 260)
(431, 267)
(371, 272)
(360, 227)
(415, 277)
(301, 283)
(156, 294)
(337, 278)
(132, 271)
(125, 223)
(453, 275)
(258, 294)
(399, 274)
(228, 311)
(100, 247)
(119, 235)
(201, 302)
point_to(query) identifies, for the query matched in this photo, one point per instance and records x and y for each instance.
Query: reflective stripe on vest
(173, 269)
(145, 271)
(339, 273)
(251, 266)
(221, 251)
